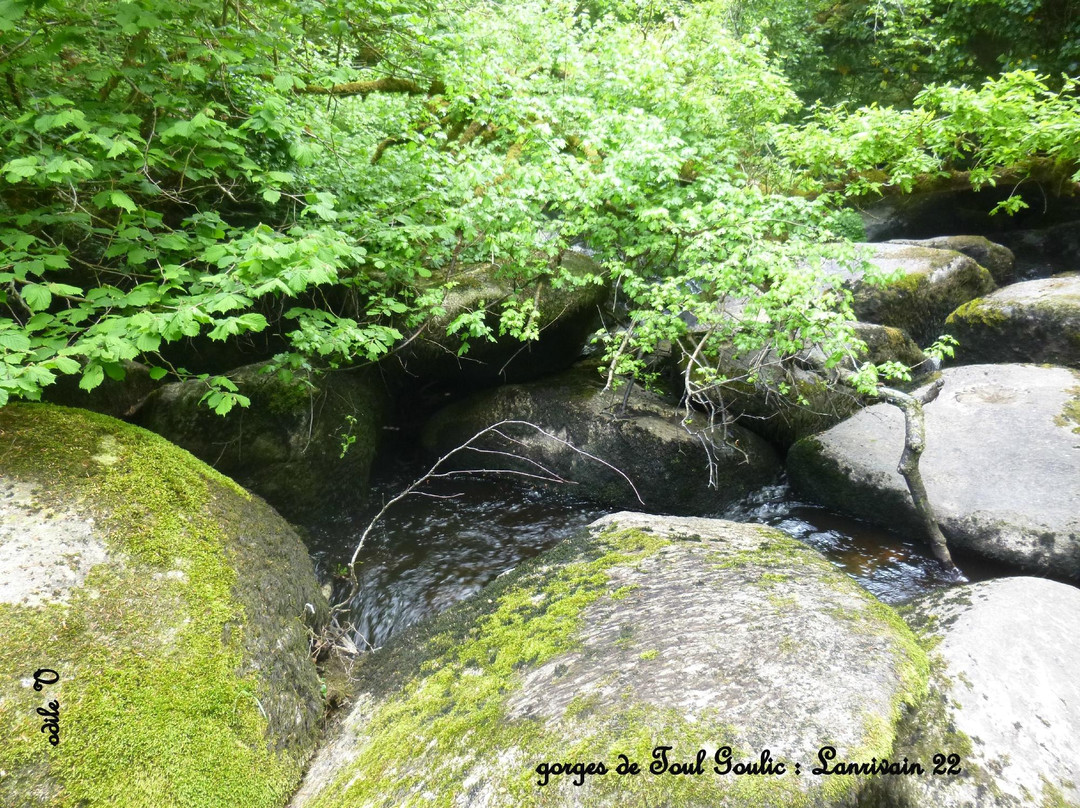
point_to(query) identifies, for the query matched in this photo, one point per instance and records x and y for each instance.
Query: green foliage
(1014, 123)
(888, 50)
(175, 176)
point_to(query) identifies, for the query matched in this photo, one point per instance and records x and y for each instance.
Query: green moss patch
(452, 711)
(1070, 413)
(153, 710)
(977, 312)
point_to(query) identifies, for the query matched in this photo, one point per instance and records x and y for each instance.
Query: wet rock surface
(647, 440)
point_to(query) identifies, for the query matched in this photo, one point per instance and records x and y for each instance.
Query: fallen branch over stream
(336, 635)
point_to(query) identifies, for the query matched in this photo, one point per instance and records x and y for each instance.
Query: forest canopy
(313, 177)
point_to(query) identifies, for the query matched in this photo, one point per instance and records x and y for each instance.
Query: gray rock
(665, 460)
(931, 284)
(885, 344)
(1034, 321)
(287, 446)
(1005, 697)
(754, 388)
(173, 605)
(1001, 466)
(567, 316)
(998, 260)
(644, 632)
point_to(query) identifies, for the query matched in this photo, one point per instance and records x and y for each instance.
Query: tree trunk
(914, 443)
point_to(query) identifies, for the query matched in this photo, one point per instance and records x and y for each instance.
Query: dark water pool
(428, 553)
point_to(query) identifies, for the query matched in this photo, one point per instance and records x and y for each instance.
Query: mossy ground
(152, 711)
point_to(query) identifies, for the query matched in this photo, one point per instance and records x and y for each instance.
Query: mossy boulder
(1004, 697)
(887, 344)
(173, 605)
(288, 445)
(119, 397)
(647, 441)
(814, 401)
(642, 632)
(567, 314)
(1001, 465)
(926, 286)
(999, 261)
(1034, 321)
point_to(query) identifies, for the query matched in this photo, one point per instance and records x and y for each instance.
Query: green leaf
(14, 341)
(121, 200)
(65, 364)
(92, 376)
(36, 296)
(21, 168)
(157, 374)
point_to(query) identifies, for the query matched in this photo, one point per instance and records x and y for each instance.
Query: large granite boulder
(644, 632)
(665, 459)
(786, 400)
(1034, 321)
(999, 261)
(170, 603)
(301, 442)
(928, 286)
(567, 313)
(1001, 466)
(934, 210)
(1005, 698)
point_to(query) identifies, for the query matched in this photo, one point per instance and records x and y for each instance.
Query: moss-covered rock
(1034, 321)
(926, 286)
(1004, 698)
(647, 441)
(999, 261)
(118, 397)
(886, 344)
(171, 603)
(643, 632)
(813, 402)
(288, 445)
(1001, 465)
(568, 313)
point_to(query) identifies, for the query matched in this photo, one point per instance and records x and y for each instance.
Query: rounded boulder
(173, 609)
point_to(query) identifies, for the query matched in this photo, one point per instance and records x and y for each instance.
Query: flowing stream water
(429, 552)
